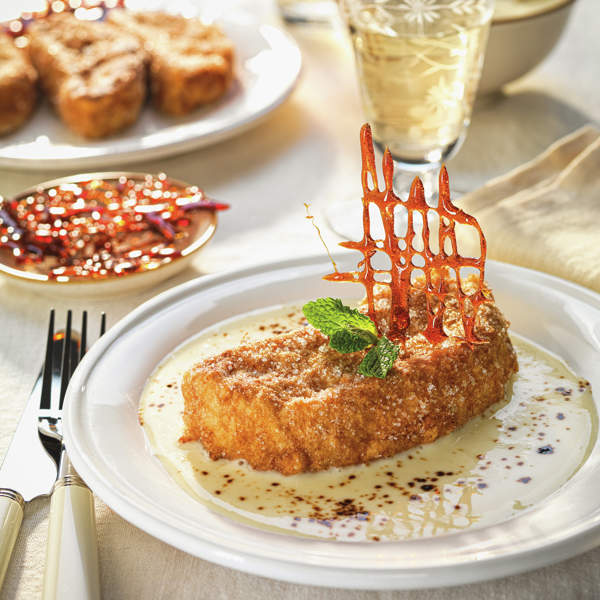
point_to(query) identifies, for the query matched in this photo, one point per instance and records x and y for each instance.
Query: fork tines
(47, 377)
(73, 348)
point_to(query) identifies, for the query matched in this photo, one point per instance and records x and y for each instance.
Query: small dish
(205, 223)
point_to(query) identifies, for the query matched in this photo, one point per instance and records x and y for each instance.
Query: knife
(28, 471)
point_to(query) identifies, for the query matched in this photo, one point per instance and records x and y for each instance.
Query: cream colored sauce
(499, 464)
(508, 10)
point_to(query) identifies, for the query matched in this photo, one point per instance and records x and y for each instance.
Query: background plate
(266, 69)
(108, 448)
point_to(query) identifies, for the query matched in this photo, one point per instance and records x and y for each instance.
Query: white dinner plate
(107, 444)
(267, 66)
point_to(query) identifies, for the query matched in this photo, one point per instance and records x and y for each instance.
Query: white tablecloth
(307, 151)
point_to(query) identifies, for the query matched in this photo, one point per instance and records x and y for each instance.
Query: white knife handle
(11, 516)
(72, 549)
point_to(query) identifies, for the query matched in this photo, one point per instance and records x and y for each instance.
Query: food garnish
(379, 359)
(415, 262)
(100, 228)
(349, 330)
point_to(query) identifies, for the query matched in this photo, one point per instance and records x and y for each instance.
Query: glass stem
(403, 180)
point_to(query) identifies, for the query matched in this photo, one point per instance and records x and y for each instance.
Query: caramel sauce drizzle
(439, 269)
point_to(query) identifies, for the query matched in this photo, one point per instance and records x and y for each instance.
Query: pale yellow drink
(419, 63)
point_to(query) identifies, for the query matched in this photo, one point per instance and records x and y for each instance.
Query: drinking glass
(418, 65)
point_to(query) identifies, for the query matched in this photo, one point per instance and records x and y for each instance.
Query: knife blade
(27, 467)
(27, 471)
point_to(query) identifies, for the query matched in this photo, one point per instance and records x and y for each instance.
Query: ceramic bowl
(519, 43)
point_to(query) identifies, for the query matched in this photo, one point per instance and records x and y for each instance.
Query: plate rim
(579, 539)
(109, 158)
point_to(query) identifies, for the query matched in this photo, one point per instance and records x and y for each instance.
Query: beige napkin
(546, 214)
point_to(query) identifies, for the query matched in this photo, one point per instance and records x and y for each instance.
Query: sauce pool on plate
(514, 455)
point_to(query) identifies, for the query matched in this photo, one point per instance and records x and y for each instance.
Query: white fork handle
(72, 549)
(11, 517)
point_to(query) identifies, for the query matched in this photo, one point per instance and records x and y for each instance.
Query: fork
(72, 552)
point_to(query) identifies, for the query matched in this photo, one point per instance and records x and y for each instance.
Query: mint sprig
(379, 359)
(329, 315)
(351, 339)
(351, 331)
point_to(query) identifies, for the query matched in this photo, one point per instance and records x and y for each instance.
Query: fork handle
(11, 517)
(72, 548)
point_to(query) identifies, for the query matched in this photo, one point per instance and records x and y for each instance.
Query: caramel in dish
(500, 463)
(99, 228)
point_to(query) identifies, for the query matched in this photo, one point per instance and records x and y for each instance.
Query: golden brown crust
(191, 63)
(93, 73)
(17, 86)
(292, 404)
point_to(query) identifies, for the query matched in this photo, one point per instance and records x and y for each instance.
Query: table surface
(306, 151)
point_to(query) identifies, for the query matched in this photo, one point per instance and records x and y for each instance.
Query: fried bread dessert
(293, 403)
(191, 63)
(93, 73)
(18, 92)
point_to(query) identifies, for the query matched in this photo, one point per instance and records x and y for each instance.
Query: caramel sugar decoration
(311, 218)
(438, 270)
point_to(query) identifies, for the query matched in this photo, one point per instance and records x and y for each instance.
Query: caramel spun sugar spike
(440, 270)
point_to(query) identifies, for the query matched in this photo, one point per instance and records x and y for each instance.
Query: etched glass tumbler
(418, 63)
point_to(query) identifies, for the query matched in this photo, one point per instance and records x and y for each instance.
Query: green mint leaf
(329, 315)
(379, 359)
(350, 331)
(351, 340)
